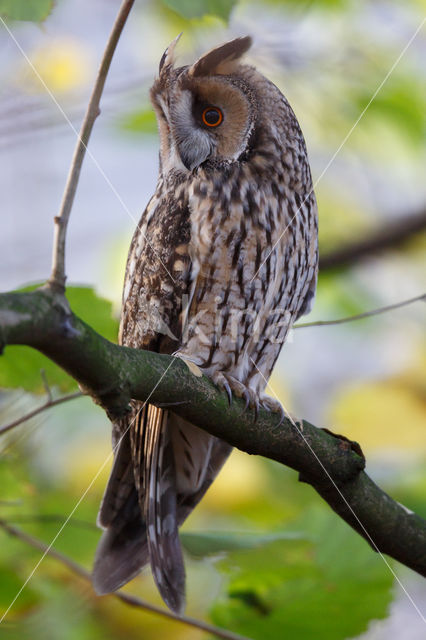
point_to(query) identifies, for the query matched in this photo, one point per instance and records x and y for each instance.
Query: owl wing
(138, 497)
(163, 465)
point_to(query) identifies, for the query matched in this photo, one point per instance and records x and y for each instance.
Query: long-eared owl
(224, 260)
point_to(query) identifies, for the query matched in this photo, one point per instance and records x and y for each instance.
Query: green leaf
(141, 121)
(11, 583)
(401, 103)
(333, 5)
(33, 10)
(197, 8)
(94, 310)
(52, 513)
(210, 543)
(328, 588)
(20, 366)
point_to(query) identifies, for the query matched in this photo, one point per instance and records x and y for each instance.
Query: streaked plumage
(222, 263)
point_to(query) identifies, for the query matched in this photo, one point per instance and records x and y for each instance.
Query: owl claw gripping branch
(223, 262)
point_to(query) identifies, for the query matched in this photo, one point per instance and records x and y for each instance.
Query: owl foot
(273, 405)
(234, 387)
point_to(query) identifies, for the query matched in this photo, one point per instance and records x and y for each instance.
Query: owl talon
(234, 387)
(228, 391)
(222, 382)
(282, 416)
(256, 410)
(273, 405)
(246, 397)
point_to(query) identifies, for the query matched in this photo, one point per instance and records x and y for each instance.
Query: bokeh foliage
(264, 556)
(32, 10)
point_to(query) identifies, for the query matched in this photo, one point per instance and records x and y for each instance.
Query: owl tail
(165, 552)
(139, 512)
(123, 548)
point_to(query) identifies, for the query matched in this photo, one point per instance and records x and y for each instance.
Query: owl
(223, 261)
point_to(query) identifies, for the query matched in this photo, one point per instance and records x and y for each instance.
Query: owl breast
(252, 265)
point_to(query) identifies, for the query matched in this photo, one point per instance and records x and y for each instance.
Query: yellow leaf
(241, 480)
(62, 65)
(89, 463)
(384, 416)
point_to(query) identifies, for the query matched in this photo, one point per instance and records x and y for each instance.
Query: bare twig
(46, 384)
(46, 405)
(360, 316)
(390, 237)
(58, 277)
(49, 518)
(124, 597)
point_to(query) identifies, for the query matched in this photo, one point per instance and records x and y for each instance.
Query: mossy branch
(113, 375)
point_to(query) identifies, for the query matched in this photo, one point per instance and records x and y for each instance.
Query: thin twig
(46, 385)
(46, 405)
(50, 518)
(58, 277)
(124, 597)
(360, 316)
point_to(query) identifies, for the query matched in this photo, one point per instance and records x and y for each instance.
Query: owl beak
(194, 152)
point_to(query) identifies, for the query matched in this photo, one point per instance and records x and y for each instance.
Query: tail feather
(122, 551)
(120, 484)
(163, 466)
(165, 551)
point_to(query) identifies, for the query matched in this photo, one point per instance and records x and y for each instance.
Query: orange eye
(212, 116)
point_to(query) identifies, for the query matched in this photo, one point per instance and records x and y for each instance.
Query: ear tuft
(168, 57)
(221, 60)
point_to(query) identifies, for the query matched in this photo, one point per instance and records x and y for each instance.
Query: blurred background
(285, 566)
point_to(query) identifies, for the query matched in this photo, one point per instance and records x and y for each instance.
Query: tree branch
(58, 277)
(390, 237)
(113, 375)
(127, 598)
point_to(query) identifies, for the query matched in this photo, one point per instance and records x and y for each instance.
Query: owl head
(206, 111)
